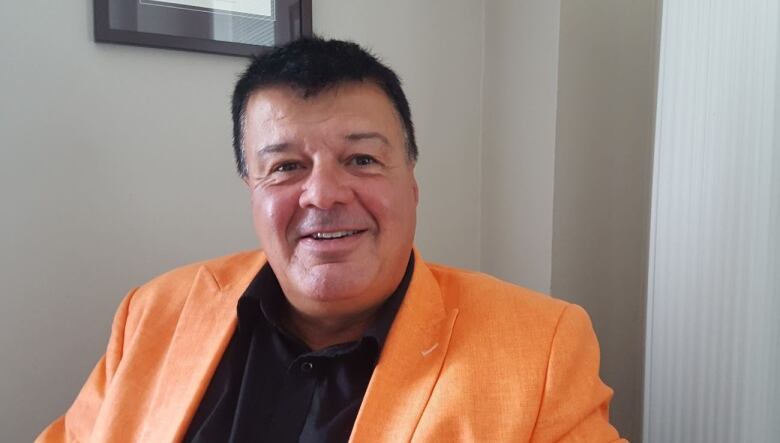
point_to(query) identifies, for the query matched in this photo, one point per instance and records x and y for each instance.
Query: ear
(416, 190)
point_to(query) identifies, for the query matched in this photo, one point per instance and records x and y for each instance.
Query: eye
(286, 167)
(363, 160)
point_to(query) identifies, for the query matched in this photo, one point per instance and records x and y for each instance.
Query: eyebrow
(353, 137)
(272, 148)
(358, 136)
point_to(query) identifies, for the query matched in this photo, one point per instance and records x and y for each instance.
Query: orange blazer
(469, 358)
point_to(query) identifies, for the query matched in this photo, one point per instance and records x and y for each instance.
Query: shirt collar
(264, 297)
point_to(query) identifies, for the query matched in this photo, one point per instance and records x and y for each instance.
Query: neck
(319, 333)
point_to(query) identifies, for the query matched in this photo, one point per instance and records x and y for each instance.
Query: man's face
(334, 196)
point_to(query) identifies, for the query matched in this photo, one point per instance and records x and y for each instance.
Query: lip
(309, 233)
(337, 246)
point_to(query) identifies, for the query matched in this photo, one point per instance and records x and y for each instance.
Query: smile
(333, 235)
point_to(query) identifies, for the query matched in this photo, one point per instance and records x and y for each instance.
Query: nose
(326, 187)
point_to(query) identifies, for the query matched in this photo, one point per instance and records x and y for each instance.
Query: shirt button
(307, 366)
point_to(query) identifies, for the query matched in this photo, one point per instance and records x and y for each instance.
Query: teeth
(332, 235)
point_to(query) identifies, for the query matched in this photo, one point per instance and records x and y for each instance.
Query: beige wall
(115, 165)
(603, 164)
(518, 139)
(436, 49)
(569, 93)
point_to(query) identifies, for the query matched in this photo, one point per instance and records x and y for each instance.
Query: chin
(336, 282)
(334, 289)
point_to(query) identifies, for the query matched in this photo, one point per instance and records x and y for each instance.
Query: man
(339, 330)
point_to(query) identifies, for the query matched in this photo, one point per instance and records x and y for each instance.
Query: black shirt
(270, 387)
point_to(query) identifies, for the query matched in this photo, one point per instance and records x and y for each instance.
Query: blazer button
(307, 366)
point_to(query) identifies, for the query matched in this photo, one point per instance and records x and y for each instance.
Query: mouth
(335, 235)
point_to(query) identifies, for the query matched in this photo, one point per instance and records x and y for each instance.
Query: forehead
(349, 106)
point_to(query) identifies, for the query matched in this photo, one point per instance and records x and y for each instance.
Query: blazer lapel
(205, 327)
(409, 364)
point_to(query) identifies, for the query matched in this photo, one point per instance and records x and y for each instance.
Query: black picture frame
(161, 24)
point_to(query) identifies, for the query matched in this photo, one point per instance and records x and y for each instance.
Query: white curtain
(713, 325)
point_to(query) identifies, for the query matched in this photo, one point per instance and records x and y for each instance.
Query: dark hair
(313, 65)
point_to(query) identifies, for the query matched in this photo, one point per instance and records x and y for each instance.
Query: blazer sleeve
(575, 404)
(78, 422)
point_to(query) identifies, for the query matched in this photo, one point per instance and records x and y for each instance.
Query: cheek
(272, 213)
(392, 207)
(375, 198)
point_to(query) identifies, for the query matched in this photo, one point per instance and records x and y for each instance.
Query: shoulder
(490, 310)
(223, 271)
(502, 325)
(168, 292)
(476, 293)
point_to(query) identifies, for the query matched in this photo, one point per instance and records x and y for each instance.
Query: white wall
(713, 333)
(518, 139)
(116, 165)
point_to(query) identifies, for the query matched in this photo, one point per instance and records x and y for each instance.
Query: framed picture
(234, 27)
